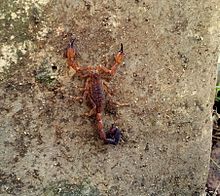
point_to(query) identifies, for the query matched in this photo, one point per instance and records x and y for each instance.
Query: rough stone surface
(47, 146)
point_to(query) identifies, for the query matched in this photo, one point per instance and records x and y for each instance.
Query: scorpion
(94, 89)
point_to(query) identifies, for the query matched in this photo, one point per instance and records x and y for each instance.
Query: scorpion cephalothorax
(94, 89)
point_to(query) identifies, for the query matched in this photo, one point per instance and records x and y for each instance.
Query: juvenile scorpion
(94, 89)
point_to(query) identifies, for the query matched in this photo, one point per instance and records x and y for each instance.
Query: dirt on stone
(47, 146)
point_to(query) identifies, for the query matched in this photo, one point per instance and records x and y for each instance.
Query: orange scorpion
(94, 90)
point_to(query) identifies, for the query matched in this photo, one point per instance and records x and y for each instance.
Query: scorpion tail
(112, 136)
(100, 127)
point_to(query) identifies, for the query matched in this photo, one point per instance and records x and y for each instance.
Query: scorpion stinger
(94, 89)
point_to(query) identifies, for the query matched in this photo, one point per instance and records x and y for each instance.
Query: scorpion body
(97, 93)
(94, 90)
(97, 100)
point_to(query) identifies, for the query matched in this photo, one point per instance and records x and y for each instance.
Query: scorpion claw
(72, 43)
(113, 135)
(121, 50)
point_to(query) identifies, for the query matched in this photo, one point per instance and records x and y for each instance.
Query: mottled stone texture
(48, 147)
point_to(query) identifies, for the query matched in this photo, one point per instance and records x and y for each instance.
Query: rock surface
(48, 148)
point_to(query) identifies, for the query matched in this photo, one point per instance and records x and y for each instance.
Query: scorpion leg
(109, 94)
(107, 89)
(85, 91)
(113, 135)
(118, 104)
(93, 110)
